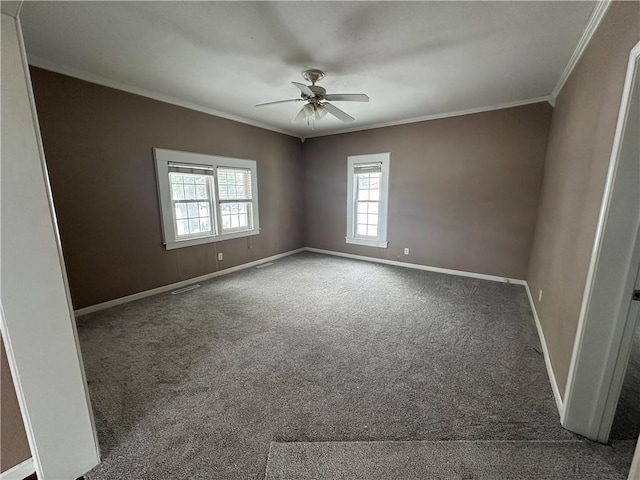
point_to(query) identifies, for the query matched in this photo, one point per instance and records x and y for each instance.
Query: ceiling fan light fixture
(308, 110)
(321, 111)
(318, 106)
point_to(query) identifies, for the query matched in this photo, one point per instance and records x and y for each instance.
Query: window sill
(213, 238)
(367, 243)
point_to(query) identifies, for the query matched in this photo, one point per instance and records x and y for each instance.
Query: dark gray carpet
(626, 423)
(483, 460)
(313, 348)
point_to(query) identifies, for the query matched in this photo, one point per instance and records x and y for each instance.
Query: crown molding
(590, 28)
(89, 77)
(438, 116)
(81, 75)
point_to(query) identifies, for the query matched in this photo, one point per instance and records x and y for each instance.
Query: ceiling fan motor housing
(319, 94)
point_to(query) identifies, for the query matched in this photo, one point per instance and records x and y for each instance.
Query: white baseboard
(20, 471)
(547, 359)
(183, 283)
(494, 278)
(417, 266)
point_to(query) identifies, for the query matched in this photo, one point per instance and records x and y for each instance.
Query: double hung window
(205, 198)
(367, 197)
(235, 198)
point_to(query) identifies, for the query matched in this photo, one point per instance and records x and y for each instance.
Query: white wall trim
(366, 243)
(383, 159)
(635, 465)
(581, 413)
(143, 92)
(461, 273)
(547, 358)
(163, 159)
(437, 116)
(173, 286)
(543, 342)
(20, 471)
(54, 299)
(417, 266)
(202, 278)
(89, 77)
(3, 329)
(590, 28)
(54, 220)
(26, 420)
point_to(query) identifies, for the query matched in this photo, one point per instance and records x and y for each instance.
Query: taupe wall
(463, 191)
(14, 448)
(580, 144)
(98, 144)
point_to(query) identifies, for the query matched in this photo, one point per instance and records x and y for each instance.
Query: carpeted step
(490, 460)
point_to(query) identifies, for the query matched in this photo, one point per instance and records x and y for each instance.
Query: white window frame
(381, 240)
(170, 238)
(219, 215)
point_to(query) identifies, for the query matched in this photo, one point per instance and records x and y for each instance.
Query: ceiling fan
(317, 105)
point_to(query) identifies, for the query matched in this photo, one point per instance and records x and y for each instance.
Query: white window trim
(384, 159)
(163, 158)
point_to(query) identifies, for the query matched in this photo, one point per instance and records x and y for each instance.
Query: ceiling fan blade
(304, 89)
(279, 101)
(339, 114)
(347, 97)
(299, 117)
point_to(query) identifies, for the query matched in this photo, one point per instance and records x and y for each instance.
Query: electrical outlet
(406, 250)
(220, 256)
(540, 296)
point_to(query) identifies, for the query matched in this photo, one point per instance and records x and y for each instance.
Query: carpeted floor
(626, 423)
(449, 460)
(313, 348)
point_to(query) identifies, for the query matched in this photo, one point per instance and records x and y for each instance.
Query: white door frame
(622, 361)
(36, 321)
(635, 465)
(602, 346)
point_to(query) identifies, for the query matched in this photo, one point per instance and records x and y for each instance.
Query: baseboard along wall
(417, 266)
(481, 276)
(547, 358)
(20, 471)
(174, 286)
(493, 278)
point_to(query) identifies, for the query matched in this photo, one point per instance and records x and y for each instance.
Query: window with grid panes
(367, 184)
(368, 180)
(191, 198)
(205, 198)
(234, 198)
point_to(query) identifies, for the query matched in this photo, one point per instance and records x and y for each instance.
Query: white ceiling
(413, 59)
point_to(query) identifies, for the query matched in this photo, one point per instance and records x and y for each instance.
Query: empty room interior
(320, 240)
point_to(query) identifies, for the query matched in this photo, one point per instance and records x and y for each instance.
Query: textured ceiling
(413, 59)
